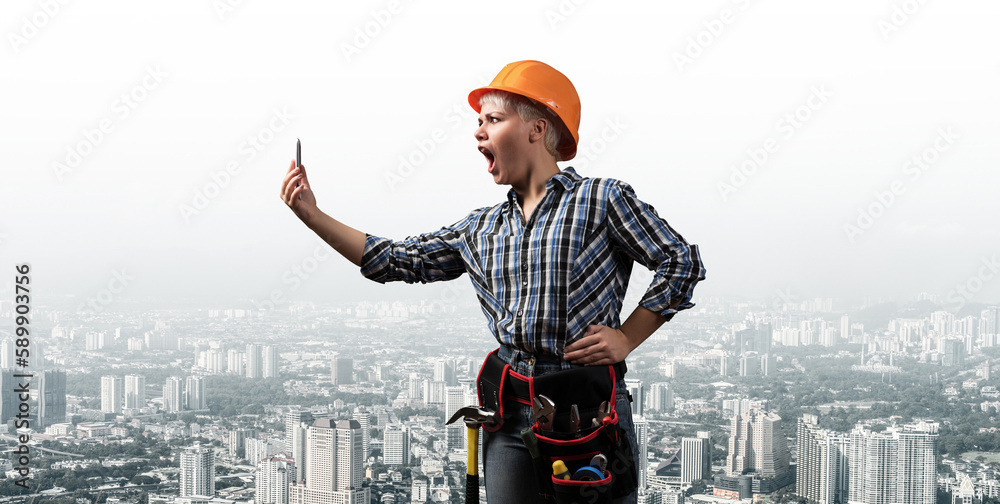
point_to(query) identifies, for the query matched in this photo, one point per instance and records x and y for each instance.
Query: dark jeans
(507, 466)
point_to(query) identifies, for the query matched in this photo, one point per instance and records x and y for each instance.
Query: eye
(494, 120)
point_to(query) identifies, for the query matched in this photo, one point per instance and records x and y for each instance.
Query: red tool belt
(589, 388)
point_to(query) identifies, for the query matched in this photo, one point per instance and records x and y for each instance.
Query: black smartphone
(298, 155)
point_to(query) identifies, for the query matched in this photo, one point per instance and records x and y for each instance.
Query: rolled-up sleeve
(650, 241)
(429, 257)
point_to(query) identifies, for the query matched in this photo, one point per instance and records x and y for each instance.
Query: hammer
(474, 417)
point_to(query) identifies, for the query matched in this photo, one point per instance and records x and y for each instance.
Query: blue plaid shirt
(541, 283)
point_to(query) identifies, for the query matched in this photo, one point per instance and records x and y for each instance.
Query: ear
(538, 128)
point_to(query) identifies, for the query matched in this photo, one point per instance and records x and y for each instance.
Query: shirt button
(524, 267)
(520, 312)
(525, 283)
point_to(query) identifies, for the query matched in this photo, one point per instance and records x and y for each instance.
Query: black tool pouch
(587, 387)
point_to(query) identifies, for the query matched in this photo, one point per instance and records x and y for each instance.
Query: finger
(286, 189)
(286, 181)
(581, 343)
(593, 329)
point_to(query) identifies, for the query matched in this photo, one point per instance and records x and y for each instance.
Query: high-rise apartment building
(334, 468)
(235, 362)
(756, 444)
(363, 417)
(895, 466)
(112, 393)
(194, 393)
(296, 425)
(173, 395)
(823, 466)
(197, 471)
(255, 361)
(661, 397)
(272, 478)
(269, 356)
(135, 391)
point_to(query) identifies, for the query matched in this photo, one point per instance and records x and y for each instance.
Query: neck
(532, 188)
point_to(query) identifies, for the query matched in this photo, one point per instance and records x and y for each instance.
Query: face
(503, 140)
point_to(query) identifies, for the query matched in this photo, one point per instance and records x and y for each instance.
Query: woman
(550, 265)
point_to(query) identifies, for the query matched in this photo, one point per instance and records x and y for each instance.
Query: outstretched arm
(349, 242)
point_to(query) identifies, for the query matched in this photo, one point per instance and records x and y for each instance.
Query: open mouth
(490, 158)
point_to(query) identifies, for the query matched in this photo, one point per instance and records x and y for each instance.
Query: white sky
(221, 77)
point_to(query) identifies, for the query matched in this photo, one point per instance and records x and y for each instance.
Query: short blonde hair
(528, 110)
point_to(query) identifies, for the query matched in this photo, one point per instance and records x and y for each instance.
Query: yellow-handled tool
(474, 417)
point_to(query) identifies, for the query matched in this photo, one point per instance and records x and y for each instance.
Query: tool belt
(596, 431)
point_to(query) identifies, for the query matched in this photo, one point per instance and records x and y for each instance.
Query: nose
(480, 132)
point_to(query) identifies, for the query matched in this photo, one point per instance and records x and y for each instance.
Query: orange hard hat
(545, 85)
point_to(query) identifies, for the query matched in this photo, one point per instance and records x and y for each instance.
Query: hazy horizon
(121, 118)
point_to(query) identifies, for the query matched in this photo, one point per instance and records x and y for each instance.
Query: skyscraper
(444, 371)
(111, 394)
(894, 466)
(272, 477)
(194, 392)
(661, 397)
(455, 433)
(173, 395)
(342, 372)
(8, 402)
(51, 392)
(135, 391)
(363, 418)
(334, 465)
(822, 470)
(269, 357)
(396, 446)
(638, 400)
(235, 362)
(756, 444)
(296, 427)
(642, 441)
(197, 471)
(696, 457)
(6, 353)
(255, 361)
